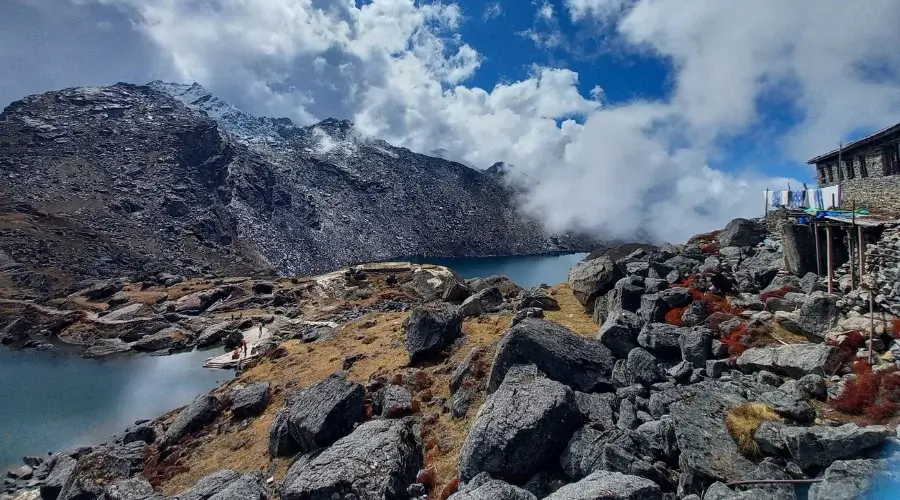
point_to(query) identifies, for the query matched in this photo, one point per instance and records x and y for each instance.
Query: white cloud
(493, 10)
(546, 11)
(400, 70)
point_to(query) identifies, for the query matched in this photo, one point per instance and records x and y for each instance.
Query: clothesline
(819, 198)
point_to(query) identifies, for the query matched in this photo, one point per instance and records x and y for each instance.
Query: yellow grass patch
(742, 422)
(571, 313)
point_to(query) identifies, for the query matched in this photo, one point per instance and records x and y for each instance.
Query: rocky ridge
(710, 365)
(130, 180)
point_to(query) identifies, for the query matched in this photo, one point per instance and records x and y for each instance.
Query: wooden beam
(850, 245)
(818, 252)
(830, 258)
(862, 253)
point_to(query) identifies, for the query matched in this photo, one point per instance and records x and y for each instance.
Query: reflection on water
(526, 271)
(55, 400)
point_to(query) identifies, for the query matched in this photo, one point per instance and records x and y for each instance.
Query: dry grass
(571, 313)
(742, 421)
(384, 348)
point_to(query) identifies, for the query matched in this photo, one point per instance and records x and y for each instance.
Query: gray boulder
(657, 439)
(202, 411)
(810, 283)
(131, 489)
(324, 412)
(741, 233)
(227, 485)
(799, 246)
(643, 367)
(173, 337)
(790, 405)
(820, 446)
(813, 386)
(592, 278)
(696, 346)
(597, 409)
(653, 308)
(250, 400)
(853, 479)
(618, 336)
(281, 444)
(707, 450)
(819, 313)
(392, 401)
(378, 460)
(794, 360)
(676, 296)
(141, 432)
(521, 429)
(582, 364)
(662, 339)
(103, 289)
(611, 486)
(528, 312)
(506, 286)
(431, 329)
(537, 297)
(92, 473)
(106, 347)
(61, 468)
(625, 295)
(486, 301)
(695, 314)
(214, 334)
(682, 264)
(483, 487)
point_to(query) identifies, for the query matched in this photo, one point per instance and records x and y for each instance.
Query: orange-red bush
(870, 393)
(736, 341)
(450, 489)
(895, 328)
(673, 317)
(712, 248)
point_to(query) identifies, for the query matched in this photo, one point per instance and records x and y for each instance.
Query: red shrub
(704, 236)
(715, 320)
(874, 394)
(717, 303)
(673, 317)
(712, 248)
(779, 292)
(687, 282)
(398, 379)
(895, 328)
(736, 341)
(695, 293)
(450, 489)
(427, 477)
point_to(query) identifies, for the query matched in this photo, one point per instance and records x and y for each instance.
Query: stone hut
(868, 170)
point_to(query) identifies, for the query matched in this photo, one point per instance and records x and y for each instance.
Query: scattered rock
(819, 313)
(537, 298)
(103, 289)
(795, 360)
(106, 347)
(322, 413)
(528, 312)
(393, 401)
(609, 485)
(592, 278)
(173, 337)
(250, 401)
(820, 446)
(203, 410)
(741, 233)
(852, 479)
(483, 487)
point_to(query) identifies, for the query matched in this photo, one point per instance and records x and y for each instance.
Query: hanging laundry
(770, 200)
(831, 196)
(785, 198)
(798, 199)
(814, 199)
(775, 199)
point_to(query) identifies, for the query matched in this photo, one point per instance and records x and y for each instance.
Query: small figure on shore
(244, 346)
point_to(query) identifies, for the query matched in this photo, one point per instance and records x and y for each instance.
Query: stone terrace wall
(878, 194)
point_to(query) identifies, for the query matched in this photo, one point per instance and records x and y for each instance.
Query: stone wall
(855, 164)
(878, 194)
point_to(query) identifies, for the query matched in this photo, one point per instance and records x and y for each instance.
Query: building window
(830, 172)
(848, 165)
(863, 169)
(891, 158)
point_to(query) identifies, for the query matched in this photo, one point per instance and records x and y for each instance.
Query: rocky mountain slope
(113, 181)
(668, 373)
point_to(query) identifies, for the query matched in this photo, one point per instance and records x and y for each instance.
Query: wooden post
(862, 253)
(818, 252)
(833, 202)
(850, 244)
(766, 213)
(871, 321)
(829, 258)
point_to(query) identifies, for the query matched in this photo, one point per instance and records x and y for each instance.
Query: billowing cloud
(402, 71)
(493, 10)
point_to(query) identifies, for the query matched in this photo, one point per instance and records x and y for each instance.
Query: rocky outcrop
(521, 429)
(741, 233)
(377, 460)
(592, 278)
(430, 329)
(563, 356)
(203, 410)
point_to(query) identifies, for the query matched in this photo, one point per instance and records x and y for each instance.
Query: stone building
(868, 170)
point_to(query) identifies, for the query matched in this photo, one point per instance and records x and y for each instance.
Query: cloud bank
(400, 70)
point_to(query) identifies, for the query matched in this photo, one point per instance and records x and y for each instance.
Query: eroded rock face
(521, 428)
(565, 357)
(378, 460)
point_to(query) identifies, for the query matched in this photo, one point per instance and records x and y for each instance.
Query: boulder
(742, 233)
(794, 360)
(617, 336)
(227, 485)
(488, 300)
(106, 347)
(597, 409)
(281, 444)
(695, 314)
(592, 278)
(251, 400)
(263, 287)
(16, 331)
(214, 334)
(820, 446)
(676, 296)
(521, 429)
(140, 432)
(681, 264)
(319, 415)
(173, 337)
(431, 329)
(528, 312)
(799, 246)
(813, 386)
(696, 346)
(379, 459)
(131, 489)
(819, 313)
(103, 289)
(118, 299)
(202, 411)
(434, 283)
(611, 486)
(662, 339)
(789, 405)
(707, 450)
(61, 468)
(625, 295)
(471, 368)
(854, 479)
(582, 364)
(126, 313)
(537, 297)
(643, 368)
(197, 302)
(810, 283)
(657, 439)
(92, 473)
(392, 401)
(506, 286)
(653, 308)
(483, 487)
